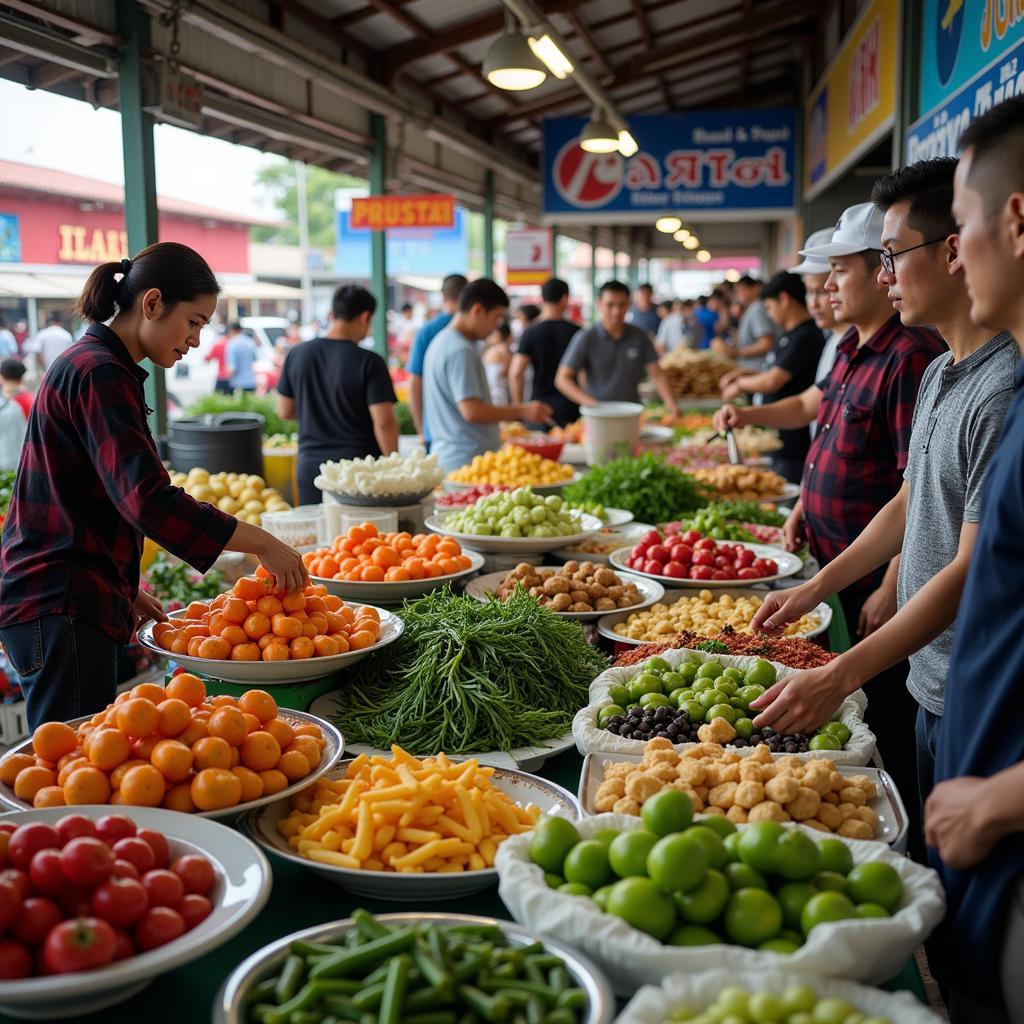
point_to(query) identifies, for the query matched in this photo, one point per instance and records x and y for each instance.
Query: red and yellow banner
(378, 213)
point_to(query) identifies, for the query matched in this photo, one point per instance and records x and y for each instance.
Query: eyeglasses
(888, 257)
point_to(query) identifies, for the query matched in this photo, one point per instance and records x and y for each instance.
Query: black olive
(661, 714)
(636, 712)
(767, 732)
(612, 728)
(661, 734)
(789, 747)
(616, 720)
(672, 730)
(739, 742)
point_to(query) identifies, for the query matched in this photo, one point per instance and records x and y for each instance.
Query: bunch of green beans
(418, 974)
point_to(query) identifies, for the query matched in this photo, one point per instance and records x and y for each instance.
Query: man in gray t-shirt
(614, 357)
(456, 397)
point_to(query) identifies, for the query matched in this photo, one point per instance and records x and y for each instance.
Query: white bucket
(610, 429)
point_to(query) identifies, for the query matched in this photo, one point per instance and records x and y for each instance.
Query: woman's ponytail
(178, 272)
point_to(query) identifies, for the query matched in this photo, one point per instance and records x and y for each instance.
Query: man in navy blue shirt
(974, 818)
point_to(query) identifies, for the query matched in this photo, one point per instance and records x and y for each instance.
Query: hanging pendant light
(510, 62)
(599, 136)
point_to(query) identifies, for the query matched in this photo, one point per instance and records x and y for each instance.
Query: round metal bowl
(229, 1007)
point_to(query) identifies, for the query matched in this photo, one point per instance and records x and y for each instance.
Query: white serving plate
(229, 1007)
(654, 434)
(892, 815)
(617, 517)
(274, 673)
(239, 894)
(451, 485)
(788, 563)
(516, 545)
(524, 789)
(333, 749)
(626, 535)
(379, 500)
(527, 759)
(607, 623)
(394, 593)
(483, 587)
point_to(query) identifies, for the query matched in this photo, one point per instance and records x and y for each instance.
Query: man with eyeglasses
(960, 412)
(858, 456)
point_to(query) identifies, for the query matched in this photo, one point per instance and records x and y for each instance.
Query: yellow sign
(91, 245)
(854, 104)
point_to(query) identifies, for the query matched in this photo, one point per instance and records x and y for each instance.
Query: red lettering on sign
(643, 171)
(718, 160)
(682, 167)
(865, 83)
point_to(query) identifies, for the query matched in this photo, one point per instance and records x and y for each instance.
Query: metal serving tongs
(727, 435)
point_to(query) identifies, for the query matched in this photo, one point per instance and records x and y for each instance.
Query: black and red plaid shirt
(90, 484)
(856, 461)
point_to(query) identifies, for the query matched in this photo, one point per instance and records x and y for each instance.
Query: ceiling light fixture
(692, 242)
(554, 59)
(703, 256)
(599, 136)
(627, 144)
(681, 235)
(510, 62)
(668, 225)
(732, 275)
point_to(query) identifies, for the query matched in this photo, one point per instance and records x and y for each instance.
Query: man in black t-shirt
(341, 394)
(788, 369)
(542, 346)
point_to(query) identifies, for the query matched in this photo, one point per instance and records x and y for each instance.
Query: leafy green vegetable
(466, 676)
(747, 512)
(176, 583)
(711, 524)
(712, 647)
(245, 402)
(6, 489)
(652, 490)
(403, 414)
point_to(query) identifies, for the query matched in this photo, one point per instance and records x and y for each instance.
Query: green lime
(780, 945)
(748, 694)
(733, 672)
(726, 711)
(657, 665)
(758, 845)
(688, 671)
(799, 999)
(669, 810)
(765, 1008)
(587, 863)
(731, 842)
(710, 670)
(835, 856)
(709, 698)
(576, 889)
(693, 935)
(619, 694)
(606, 835)
(706, 902)
(609, 712)
(641, 903)
(694, 709)
(875, 882)
(552, 839)
(678, 862)
(743, 876)
(831, 1010)
(718, 856)
(553, 881)
(600, 896)
(793, 897)
(727, 685)
(825, 908)
(646, 682)
(655, 700)
(761, 673)
(672, 681)
(678, 695)
(752, 916)
(733, 999)
(628, 852)
(744, 727)
(700, 685)
(824, 741)
(871, 910)
(797, 857)
(830, 881)
(718, 823)
(840, 730)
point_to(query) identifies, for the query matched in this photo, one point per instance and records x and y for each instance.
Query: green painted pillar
(593, 272)
(489, 223)
(634, 266)
(140, 213)
(378, 239)
(554, 252)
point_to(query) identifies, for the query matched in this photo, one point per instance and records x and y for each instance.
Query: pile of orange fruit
(170, 747)
(252, 622)
(363, 555)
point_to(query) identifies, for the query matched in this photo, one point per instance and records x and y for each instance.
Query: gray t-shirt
(614, 367)
(452, 372)
(957, 422)
(755, 323)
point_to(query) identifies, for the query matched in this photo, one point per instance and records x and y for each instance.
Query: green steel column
(908, 98)
(378, 239)
(554, 252)
(488, 223)
(140, 213)
(593, 272)
(634, 269)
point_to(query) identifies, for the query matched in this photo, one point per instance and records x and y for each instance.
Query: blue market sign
(740, 162)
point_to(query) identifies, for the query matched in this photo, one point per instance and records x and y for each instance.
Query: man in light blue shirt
(451, 289)
(456, 397)
(241, 356)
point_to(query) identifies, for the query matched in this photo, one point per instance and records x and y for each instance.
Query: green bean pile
(418, 974)
(467, 676)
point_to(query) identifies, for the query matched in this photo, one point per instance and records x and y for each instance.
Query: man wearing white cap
(856, 461)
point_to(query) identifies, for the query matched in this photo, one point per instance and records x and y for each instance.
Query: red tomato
(8, 826)
(15, 960)
(124, 869)
(120, 902)
(676, 570)
(80, 945)
(136, 851)
(748, 573)
(38, 915)
(28, 840)
(704, 557)
(87, 861)
(76, 900)
(164, 888)
(19, 879)
(10, 904)
(745, 556)
(672, 529)
(71, 826)
(194, 909)
(700, 572)
(47, 874)
(124, 947)
(658, 552)
(721, 561)
(158, 842)
(159, 926)
(112, 827)
(650, 538)
(682, 553)
(691, 537)
(771, 567)
(705, 544)
(196, 872)
(652, 567)
(719, 574)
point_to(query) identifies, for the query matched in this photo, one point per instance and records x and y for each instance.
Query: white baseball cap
(810, 264)
(859, 229)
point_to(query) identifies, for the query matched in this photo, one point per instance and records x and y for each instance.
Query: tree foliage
(279, 182)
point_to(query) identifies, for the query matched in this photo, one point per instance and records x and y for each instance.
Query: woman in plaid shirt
(90, 486)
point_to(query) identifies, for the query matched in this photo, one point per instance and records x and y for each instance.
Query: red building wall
(56, 231)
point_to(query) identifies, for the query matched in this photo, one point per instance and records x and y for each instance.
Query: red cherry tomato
(704, 557)
(652, 567)
(719, 574)
(658, 552)
(76, 900)
(158, 926)
(10, 904)
(195, 872)
(47, 874)
(705, 544)
(700, 572)
(120, 902)
(87, 861)
(672, 529)
(158, 842)
(194, 909)
(15, 960)
(747, 573)
(676, 570)
(682, 553)
(721, 561)
(745, 556)
(20, 881)
(136, 851)
(691, 537)
(124, 869)
(79, 945)
(71, 826)
(38, 915)
(8, 826)
(28, 840)
(112, 827)
(771, 567)
(164, 888)
(124, 946)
